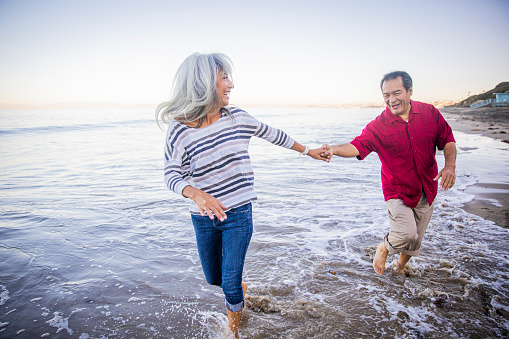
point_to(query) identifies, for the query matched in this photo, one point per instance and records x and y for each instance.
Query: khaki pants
(407, 226)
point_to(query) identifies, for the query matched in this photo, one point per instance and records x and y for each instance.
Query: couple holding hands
(207, 160)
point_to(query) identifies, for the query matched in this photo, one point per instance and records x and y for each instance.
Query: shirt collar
(389, 116)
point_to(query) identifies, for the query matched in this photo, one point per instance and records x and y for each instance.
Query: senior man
(405, 136)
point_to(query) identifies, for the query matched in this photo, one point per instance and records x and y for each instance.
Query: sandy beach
(492, 122)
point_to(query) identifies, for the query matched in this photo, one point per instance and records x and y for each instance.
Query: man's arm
(448, 173)
(344, 150)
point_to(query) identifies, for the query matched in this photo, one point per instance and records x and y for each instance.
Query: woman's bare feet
(244, 288)
(234, 317)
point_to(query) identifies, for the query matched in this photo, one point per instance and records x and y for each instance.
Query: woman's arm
(176, 170)
(280, 138)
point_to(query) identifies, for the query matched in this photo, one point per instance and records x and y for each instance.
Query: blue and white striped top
(214, 159)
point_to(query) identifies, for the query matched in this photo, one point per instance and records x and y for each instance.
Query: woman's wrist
(189, 192)
(305, 152)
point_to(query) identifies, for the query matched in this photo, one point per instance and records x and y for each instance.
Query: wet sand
(492, 198)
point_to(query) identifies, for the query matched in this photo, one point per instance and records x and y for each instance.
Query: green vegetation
(502, 87)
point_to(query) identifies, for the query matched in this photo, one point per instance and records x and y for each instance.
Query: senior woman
(207, 160)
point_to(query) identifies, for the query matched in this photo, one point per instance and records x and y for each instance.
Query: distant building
(501, 99)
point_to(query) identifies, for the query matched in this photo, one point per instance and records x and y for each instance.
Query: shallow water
(92, 245)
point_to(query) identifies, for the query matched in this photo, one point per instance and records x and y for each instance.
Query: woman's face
(224, 86)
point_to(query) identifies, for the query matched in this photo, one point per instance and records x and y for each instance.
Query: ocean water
(93, 245)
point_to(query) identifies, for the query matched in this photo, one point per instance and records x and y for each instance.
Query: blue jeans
(222, 247)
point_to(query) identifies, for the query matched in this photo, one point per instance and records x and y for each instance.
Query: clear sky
(284, 52)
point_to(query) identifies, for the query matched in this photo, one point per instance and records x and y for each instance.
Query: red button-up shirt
(407, 151)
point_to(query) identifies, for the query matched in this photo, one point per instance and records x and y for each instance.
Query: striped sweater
(214, 159)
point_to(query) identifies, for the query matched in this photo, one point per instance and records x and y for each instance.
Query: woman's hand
(207, 204)
(318, 154)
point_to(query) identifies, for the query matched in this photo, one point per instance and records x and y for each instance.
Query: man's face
(396, 96)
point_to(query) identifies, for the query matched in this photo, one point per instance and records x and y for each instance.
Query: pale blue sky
(284, 52)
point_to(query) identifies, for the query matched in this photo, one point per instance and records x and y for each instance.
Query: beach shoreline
(491, 200)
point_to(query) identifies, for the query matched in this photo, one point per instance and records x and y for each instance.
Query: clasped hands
(323, 153)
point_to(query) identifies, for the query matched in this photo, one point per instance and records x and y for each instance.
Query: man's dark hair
(405, 77)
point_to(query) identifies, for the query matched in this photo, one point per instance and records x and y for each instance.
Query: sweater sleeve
(273, 135)
(176, 164)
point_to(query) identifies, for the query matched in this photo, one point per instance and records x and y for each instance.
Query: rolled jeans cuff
(234, 308)
(393, 250)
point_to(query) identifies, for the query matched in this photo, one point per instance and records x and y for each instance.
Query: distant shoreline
(114, 105)
(108, 105)
(492, 122)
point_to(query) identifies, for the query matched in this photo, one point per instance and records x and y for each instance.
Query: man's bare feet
(402, 261)
(380, 259)
(401, 270)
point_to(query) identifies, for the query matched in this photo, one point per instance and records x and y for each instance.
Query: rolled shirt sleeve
(445, 134)
(364, 142)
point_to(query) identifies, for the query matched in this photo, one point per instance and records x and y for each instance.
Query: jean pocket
(239, 217)
(240, 210)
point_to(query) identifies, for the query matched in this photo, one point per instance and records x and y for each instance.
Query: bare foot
(244, 290)
(234, 317)
(401, 270)
(380, 259)
(402, 261)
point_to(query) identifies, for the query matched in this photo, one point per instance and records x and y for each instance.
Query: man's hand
(448, 177)
(207, 204)
(448, 173)
(346, 150)
(317, 154)
(327, 152)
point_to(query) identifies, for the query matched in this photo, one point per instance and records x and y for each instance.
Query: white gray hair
(194, 92)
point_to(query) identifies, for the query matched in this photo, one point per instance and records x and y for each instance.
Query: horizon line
(113, 105)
